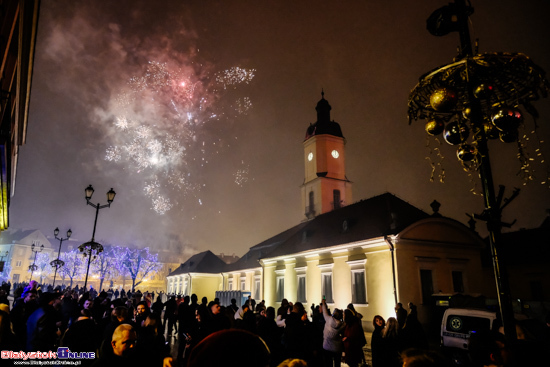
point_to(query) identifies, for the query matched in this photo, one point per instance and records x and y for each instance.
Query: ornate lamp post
(36, 250)
(57, 263)
(93, 248)
(479, 95)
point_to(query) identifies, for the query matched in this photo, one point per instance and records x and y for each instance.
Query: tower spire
(323, 109)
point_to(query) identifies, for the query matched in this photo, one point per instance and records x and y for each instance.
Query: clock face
(310, 156)
(335, 153)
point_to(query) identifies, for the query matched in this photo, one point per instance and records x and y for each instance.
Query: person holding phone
(332, 339)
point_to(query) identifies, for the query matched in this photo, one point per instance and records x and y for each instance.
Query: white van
(459, 323)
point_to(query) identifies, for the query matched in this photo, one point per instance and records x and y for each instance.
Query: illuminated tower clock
(326, 186)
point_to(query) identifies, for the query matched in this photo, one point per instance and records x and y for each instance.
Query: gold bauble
(483, 91)
(466, 112)
(435, 126)
(443, 99)
(466, 152)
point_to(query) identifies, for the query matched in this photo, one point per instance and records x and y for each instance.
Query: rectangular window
(280, 288)
(15, 278)
(243, 284)
(18, 264)
(427, 286)
(301, 291)
(326, 286)
(358, 287)
(230, 285)
(458, 283)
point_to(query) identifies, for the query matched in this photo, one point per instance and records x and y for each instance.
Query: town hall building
(372, 253)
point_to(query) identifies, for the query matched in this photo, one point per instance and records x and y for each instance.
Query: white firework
(159, 128)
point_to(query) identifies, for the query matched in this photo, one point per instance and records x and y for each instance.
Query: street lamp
(57, 263)
(36, 250)
(479, 95)
(91, 247)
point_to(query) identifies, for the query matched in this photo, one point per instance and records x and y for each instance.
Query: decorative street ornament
(507, 119)
(472, 94)
(456, 133)
(435, 126)
(500, 85)
(466, 152)
(443, 99)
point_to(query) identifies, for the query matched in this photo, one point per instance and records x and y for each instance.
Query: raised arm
(324, 309)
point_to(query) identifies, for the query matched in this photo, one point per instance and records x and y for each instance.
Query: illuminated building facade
(17, 255)
(372, 253)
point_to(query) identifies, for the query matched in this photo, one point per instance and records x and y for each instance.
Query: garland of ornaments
(480, 97)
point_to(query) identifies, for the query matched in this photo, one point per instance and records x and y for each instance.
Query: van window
(466, 324)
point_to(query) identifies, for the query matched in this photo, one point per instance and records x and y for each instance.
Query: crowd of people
(181, 331)
(392, 337)
(125, 331)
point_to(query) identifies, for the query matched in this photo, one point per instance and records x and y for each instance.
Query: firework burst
(160, 123)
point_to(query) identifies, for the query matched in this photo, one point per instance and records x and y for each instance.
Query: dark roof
(381, 215)
(252, 258)
(204, 262)
(375, 217)
(323, 125)
(14, 236)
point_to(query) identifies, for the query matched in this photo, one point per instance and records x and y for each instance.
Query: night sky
(251, 74)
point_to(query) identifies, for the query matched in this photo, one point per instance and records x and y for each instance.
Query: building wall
(205, 285)
(436, 244)
(373, 259)
(380, 290)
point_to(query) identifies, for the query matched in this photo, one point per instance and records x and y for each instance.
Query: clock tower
(326, 186)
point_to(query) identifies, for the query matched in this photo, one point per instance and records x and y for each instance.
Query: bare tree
(73, 267)
(140, 265)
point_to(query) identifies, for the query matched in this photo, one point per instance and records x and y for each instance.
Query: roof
(14, 236)
(381, 215)
(24, 237)
(252, 258)
(204, 262)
